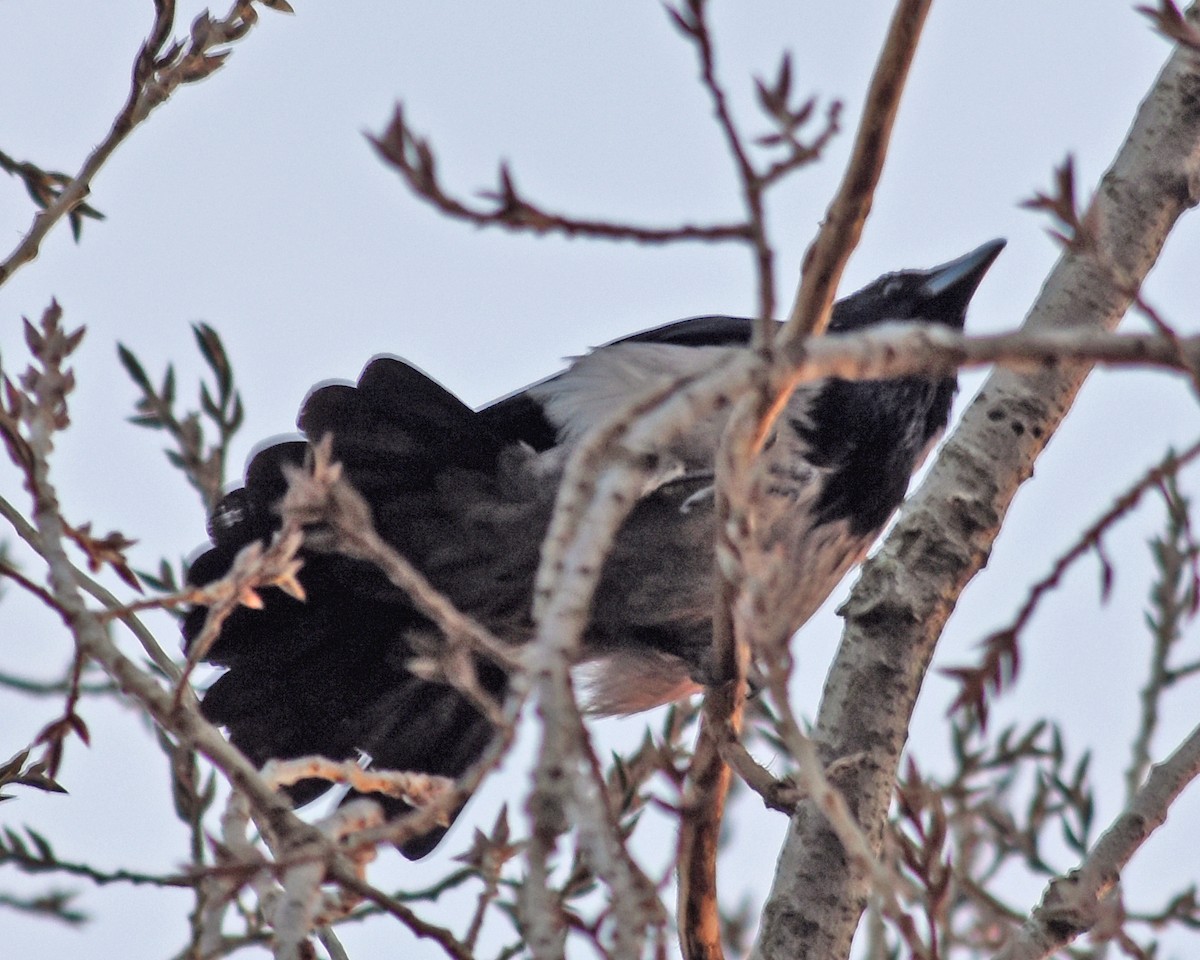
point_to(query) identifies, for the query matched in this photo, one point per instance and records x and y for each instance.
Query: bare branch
(7, 570)
(412, 157)
(1070, 905)
(1001, 661)
(28, 533)
(826, 258)
(156, 74)
(945, 530)
(693, 23)
(37, 856)
(749, 423)
(698, 909)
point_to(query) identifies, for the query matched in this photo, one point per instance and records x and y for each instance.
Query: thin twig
(776, 794)
(41, 688)
(321, 495)
(412, 157)
(149, 642)
(100, 878)
(422, 929)
(1001, 661)
(253, 568)
(156, 74)
(44, 595)
(694, 24)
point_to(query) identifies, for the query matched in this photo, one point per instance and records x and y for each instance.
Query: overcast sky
(253, 202)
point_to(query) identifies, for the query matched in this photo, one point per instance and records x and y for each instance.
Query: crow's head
(938, 295)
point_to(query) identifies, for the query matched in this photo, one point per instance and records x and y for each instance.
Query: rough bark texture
(945, 532)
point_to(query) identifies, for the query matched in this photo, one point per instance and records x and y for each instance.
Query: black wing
(328, 676)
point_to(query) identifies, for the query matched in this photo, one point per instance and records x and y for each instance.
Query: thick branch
(945, 532)
(897, 350)
(1071, 904)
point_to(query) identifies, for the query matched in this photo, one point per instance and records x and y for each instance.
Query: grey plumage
(467, 497)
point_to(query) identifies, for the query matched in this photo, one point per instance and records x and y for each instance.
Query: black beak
(951, 285)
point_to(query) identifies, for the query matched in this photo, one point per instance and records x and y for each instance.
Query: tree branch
(821, 269)
(1071, 903)
(156, 74)
(413, 158)
(906, 592)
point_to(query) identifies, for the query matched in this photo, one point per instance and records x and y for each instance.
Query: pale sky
(253, 202)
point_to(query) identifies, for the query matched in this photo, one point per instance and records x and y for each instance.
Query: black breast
(869, 436)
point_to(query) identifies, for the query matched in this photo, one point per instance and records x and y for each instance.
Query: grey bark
(907, 591)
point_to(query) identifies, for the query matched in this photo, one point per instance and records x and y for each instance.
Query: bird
(466, 495)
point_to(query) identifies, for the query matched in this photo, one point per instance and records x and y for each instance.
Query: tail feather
(464, 497)
(328, 675)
